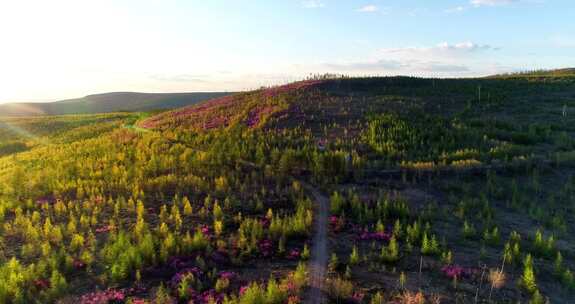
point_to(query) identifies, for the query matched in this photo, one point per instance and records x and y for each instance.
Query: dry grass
(410, 297)
(496, 278)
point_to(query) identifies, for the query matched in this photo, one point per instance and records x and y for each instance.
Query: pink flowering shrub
(275, 91)
(42, 284)
(336, 223)
(358, 297)
(177, 278)
(104, 229)
(293, 300)
(247, 108)
(374, 236)
(294, 254)
(258, 113)
(229, 275)
(456, 271)
(265, 247)
(265, 222)
(206, 231)
(104, 297)
(79, 264)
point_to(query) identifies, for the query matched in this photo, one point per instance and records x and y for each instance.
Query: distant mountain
(109, 102)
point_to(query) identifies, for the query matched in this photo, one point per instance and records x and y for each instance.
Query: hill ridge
(108, 102)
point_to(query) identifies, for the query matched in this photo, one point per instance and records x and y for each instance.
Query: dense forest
(439, 191)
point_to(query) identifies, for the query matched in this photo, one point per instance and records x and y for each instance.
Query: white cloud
(375, 65)
(442, 49)
(368, 9)
(478, 3)
(454, 10)
(445, 59)
(463, 46)
(313, 4)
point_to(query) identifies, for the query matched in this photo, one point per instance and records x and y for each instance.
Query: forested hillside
(108, 102)
(439, 191)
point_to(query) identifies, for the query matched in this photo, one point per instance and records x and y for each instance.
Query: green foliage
(390, 253)
(58, 285)
(402, 280)
(123, 256)
(14, 277)
(492, 236)
(184, 285)
(536, 298)
(337, 203)
(543, 247)
(162, 295)
(299, 277)
(558, 267)
(528, 281)
(222, 284)
(420, 137)
(429, 246)
(340, 289)
(447, 257)
(354, 256)
(96, 198)
(274, 294)
(468, 230)
(333, 262)
(377, 299)
(305, 254)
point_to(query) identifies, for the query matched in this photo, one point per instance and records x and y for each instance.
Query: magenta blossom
(206, 230)
(243, 289)
(374, 236)
(265, 247)
(79, 264)
(42, 284)
(294, 254)
(104, 229)
(456, 271)
(104, 297)
(230, 275)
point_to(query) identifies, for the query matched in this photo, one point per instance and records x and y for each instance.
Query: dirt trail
(319, 255)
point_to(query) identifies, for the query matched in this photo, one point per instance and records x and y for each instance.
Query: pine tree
(528, 278)
(274, 295)
(305, 253)
(333, 262)
(558, 264)
(187, 207)
(377, 299)
(354, 256)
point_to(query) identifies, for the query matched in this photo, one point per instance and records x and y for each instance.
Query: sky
(58, 49)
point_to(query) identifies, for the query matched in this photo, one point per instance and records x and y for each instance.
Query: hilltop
(556, 73)
(347, 104)
(108, 102)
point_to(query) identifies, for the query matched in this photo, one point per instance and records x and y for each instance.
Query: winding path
(319, 255)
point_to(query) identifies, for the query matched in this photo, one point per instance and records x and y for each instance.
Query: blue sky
(69, 48)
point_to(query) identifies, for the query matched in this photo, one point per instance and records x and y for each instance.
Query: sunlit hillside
(350, 190)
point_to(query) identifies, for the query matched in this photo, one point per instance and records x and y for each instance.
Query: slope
(108, 102)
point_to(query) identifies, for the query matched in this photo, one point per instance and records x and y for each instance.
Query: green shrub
(390, 253)
(429, 246)
(254, 294)
(354, 256)
(528, 281)
(340, 289)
